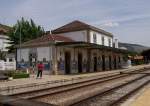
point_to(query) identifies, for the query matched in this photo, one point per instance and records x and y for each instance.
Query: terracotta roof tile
(4, 29)
(73, 26)
(46, 39)
(76, 26)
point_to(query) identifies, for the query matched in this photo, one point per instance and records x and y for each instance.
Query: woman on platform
(40, 67)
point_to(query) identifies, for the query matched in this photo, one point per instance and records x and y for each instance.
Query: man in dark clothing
(40, 67)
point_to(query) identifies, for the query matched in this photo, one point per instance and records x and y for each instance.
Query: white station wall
(4, 43)
(24, 54)
(44, 52)
(99, 38)
(76, 35)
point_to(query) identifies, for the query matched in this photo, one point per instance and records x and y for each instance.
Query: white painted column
(55, 68)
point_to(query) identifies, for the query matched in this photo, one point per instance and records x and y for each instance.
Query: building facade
(73, 48)
(4, 42)
(79, 31)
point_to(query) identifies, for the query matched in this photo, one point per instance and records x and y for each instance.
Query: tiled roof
(4, 29)
(45, 40)
(77, 26)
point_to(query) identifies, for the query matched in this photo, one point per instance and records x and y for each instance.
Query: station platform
(142, 98)
(54, 79)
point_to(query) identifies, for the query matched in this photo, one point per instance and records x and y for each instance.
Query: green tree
(146, 55)
(24, 30)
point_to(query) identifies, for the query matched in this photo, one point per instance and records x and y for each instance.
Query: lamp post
(19, 39)
(20, 42)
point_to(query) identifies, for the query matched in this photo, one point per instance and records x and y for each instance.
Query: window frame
(103, 40)
(109, 42)
(94, 38)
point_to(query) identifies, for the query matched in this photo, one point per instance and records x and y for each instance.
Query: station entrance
(103, 62)
(95, 63)
(115, 63)
(79, 62)
(67, 62)
(110, 63)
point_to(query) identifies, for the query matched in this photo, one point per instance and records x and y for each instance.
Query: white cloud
(118, 16)
(52, 13)
(110, 24)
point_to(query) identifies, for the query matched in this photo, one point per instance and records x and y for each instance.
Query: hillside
(134, 47)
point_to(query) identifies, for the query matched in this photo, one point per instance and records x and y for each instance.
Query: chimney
(116, 43)
(48, 32)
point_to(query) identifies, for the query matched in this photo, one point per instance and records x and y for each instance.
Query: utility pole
(19, 28)
(20, 42)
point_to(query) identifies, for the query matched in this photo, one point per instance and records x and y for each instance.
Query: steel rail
(112, 90)
(76, 85)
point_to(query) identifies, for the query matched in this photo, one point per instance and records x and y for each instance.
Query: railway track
(115, 95)
(59, 89)
(75, 93)
(63, 88)
(69, 97)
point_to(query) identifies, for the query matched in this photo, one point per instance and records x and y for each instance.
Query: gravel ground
(71, 96)
(107, 99)
(62, 88)
(29, 84)
(143, 99)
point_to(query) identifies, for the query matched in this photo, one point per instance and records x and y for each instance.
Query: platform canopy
(89, 46)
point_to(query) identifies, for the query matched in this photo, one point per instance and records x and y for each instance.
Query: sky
(128, 20)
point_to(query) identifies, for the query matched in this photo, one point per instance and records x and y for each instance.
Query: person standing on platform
(40, 67)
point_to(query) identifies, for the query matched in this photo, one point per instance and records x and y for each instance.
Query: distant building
(73, 48)
(4, 42)
(123, 48)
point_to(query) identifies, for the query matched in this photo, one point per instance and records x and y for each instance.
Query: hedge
(20, 75)
(17, 75)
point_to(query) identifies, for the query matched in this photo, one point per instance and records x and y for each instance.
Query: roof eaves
(90, 46)
(100, 30)
(34, 44)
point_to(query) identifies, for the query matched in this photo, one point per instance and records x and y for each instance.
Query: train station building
(73, 48)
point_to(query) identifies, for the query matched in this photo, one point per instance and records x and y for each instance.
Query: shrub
(20, 75)
(9, 73)
(17, 75)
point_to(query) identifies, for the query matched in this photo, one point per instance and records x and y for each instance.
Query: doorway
(79, 62)
(32, 59)
(95, 63)
(119, 62)
(110, 63)
(115, 63)
(67, 62)
(103, 62)
(88, 60)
